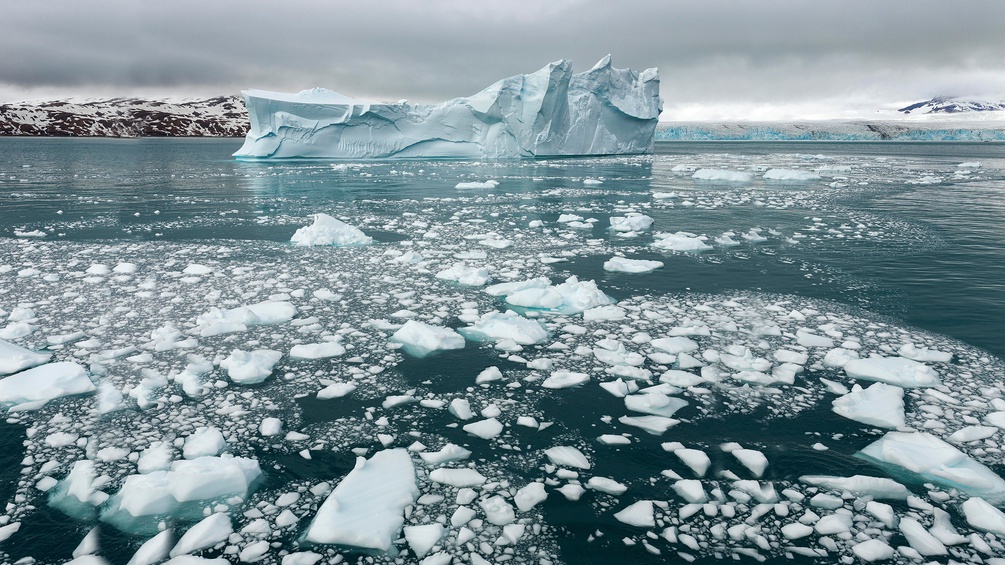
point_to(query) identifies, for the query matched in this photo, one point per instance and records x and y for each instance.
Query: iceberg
(552, 112)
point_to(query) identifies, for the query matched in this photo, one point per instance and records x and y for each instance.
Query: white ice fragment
(928, 458)
(873, 550)
(14, 358)
(250, 367)
(485, 429)
(879, 405)
(639, 514)
(572, 491)
(449, 452)
(530, 496)
(632, 266)
(327, 230)
(154, 550)
(32, 388)
(972, 433)
(204, 441)
(422, 538)
(491, 183)
(690, 490)
(752, 459)
(984, 516)
(270, 427)
(497, 510)
(654, 403)
(321, 350)
(654, 425)
(862, 485)
(207, 533)
(920, 539)
(631, 222)
(421, 339)
(796, 531)
(696, 459)
(494, 326)
(335, 390)
(216, 321)
(457, 477)
(892, 370)
(465, 275)
(790, 175)
(366, 510)
(910, 351)
(488, 375)
(567, 456)
(565, 379)
(606, 485)
(681, 241)
(722, 175)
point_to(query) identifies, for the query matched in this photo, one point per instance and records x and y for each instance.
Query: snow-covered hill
(943, 105)
(223, 116)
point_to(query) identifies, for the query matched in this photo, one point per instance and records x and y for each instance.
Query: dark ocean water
(892, 233)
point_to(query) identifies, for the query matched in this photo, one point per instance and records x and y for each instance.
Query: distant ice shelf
(835, 130)
(552, 112)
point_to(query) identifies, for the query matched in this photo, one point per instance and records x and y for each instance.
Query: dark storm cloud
(710, 52)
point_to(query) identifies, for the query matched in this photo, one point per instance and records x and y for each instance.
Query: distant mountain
(943, 105)
(223, 116)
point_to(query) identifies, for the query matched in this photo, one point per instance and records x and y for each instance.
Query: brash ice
(552, 112)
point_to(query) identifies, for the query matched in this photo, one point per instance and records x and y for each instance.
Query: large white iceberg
(31, 389)
(603, 111)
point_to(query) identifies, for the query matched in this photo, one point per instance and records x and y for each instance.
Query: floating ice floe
(892, 370)
(624, 265)
(33, 388)
(631, 222)
(495, 326)
(491, 183)
(216, 321)
(14, 358)
(875, 487)
(923, 457)
(367, 508)
(250, 367)
(790, 174)
(681, 241)
(878, 405)
(721, 175)
(421, 339)
(465, 275)
(571, 297)
(327, 230)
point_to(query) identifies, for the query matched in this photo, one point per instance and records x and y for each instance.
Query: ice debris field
(455, 394)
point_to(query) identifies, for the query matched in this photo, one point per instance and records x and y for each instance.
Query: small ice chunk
(879, 405)
(497, 510)
(873, 550)
(250, 367)
(632, 266)
(567, 456)
(421, 339)
(565, 379)
(317, 350)
(491, 183)
(495, 326)
(204, 441)
(984, 516)
(752, 459)
(920, 539)
(790, 175)
(655, 425)
(205, 534)
(530, 496)
(639, 514)
(892, 370)
(655, 403)
(681, 242)
(606, 485)
(631, 222)
(449, 452)
(696, 459)
(862, 485)
(422, 538)
(721, 175)
(910, 351)
(485, 429)
(327, 230)
(270, 427)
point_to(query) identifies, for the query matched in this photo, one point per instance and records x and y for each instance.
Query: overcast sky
(718, 59)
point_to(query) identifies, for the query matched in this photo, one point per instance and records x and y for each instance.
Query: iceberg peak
(551, 112)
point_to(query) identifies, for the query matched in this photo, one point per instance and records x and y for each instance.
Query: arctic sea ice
(552, 112)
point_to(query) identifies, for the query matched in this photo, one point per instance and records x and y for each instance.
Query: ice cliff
(552, 112)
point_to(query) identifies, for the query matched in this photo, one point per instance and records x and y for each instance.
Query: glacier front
(552, 112)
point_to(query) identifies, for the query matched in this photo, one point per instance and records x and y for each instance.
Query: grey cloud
(714, 51)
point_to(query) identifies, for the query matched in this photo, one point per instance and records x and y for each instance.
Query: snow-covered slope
(944, 105)
(223, 116)
(902, 130)
(603, 111)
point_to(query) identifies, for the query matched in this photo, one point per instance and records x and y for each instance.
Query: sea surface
(114, 253)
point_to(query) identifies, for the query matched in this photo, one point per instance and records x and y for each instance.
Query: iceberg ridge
(552, 112)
